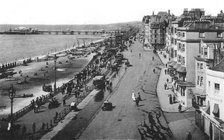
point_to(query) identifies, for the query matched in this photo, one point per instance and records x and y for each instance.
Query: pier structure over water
(67, 32)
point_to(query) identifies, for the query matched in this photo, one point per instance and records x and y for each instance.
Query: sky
(94, 11)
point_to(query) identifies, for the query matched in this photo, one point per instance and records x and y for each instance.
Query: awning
(207, 109)
(185, 84)
(176, 66)
(216, 110)
(182, 69)
(169, 62)
(172, 64)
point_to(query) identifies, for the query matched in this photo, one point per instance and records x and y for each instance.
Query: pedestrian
(189, 136)
(139, 55)
(165, 71)
(152, 58)
(165, 86)
(139, 97)
(43, 126)
(179, 107)
(166, 65)
(137, 101)
(56, 115)
(24, 130)
(64, 101)
(154, 70)
(34, 127)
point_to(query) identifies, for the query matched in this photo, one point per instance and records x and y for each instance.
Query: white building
(211, 118)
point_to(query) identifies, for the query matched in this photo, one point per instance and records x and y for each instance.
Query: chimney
(169, 12)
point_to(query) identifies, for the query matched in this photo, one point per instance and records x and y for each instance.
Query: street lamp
(55, 68)
(11, 97)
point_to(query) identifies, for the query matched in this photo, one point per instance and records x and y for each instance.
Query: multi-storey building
(146, 30)
(157, 35)
(211, 118)
(155, 30)
(210, 54)
(187, 41)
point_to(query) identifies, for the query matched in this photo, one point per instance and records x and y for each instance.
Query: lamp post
(11, 97)
(55, 69)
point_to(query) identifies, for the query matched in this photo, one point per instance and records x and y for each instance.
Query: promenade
(32, 125)
(179, 123)
(126, 120)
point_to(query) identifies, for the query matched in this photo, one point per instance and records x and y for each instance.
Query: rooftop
(219, 67)
(202, 25)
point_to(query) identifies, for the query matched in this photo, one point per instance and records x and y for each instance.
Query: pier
(67, 32)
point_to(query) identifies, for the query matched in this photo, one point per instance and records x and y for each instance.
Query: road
(126, 120)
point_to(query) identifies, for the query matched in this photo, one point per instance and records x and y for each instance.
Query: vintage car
(107, 106)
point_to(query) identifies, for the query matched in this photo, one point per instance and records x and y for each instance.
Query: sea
(15, 47)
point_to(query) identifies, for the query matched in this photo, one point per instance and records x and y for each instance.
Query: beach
(36, 74)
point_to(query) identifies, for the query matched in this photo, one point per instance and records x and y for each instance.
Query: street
(126, 120)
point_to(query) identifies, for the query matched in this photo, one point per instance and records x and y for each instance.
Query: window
(201, 66)
(179, 46)
(219, 34)
(179, 58)
(202, 34)
(201, 82)
(183, 61)
(217, 87)
(183, 34)
(198, 80)
(183, 47)
(198, 65)
(205, 52)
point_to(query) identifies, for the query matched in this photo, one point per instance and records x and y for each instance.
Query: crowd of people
(3, 67)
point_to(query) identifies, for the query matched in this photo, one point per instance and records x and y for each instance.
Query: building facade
(155, 30)
(211, 118)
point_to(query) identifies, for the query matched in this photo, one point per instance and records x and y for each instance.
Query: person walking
(189, 136)
(137, 101)
(34, 127)
(64, 102)
(179, 107)
(165, 86)
(139, 97)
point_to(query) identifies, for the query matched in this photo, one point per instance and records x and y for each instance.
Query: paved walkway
(179, 123)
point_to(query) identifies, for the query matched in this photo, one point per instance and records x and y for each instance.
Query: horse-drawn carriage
(47, 88)
(53, 103)
(99, 82)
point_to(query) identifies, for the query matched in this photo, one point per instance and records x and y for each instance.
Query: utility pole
(11, 97)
